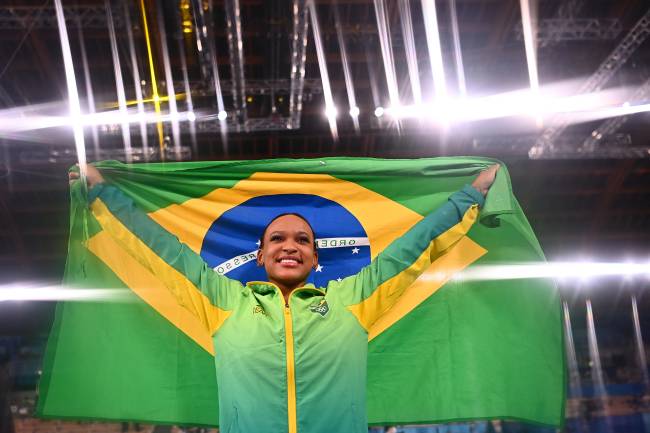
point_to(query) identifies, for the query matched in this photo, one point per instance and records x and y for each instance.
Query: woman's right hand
(93, 176)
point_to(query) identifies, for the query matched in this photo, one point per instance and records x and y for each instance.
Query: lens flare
(581, 270)
(29, 291)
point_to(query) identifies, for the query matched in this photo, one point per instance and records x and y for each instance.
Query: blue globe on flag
(230, 245)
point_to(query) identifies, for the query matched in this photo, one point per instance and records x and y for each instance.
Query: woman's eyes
(279, 238)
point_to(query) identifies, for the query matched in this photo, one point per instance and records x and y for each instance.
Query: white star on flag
(339, 279)
(258, 243)
(355, 250)
(319, 268)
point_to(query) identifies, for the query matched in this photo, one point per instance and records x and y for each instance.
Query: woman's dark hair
(285, 214)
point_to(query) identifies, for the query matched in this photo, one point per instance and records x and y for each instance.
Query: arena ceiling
(587, 193)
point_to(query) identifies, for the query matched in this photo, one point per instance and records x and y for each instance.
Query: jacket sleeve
(376, 288)
(206, 294)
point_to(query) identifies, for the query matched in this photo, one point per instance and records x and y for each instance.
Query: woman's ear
(315, 259)
(260, 258)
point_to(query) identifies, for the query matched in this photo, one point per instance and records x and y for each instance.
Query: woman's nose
(289, 247)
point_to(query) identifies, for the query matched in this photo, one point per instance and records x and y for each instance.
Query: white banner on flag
(242, 259)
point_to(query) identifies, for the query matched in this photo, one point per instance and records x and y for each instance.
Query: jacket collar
(264, 287)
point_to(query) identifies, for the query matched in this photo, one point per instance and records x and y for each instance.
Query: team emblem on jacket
(321, 307)
(259, 310)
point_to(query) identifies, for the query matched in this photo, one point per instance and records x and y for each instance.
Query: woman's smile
(289, 261)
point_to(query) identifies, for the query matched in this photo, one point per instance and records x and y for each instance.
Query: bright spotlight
(412, 111)
(222, 115)
(379, 111)
(191, 116)
(354, 111)
(331, 112)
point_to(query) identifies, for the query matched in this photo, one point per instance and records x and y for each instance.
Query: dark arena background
(557, 90)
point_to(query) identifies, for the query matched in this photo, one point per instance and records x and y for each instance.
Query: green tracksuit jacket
(290, 368)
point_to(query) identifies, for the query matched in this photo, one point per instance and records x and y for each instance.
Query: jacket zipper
(291, 370)
(291, 361)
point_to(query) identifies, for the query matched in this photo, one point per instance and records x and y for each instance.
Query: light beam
(169, 79)
(188, 93)
(640, 347)
(435, 51)
(223, 126)
(409, 47)
(90, 98)
(154, 83)
(387, 53)
(572, 360)
(531, 49)
(322, 66)
(137, 83)
(73, 96)
(52, 292)
(458, 53)
(119, 84)
(555, 270)
(347, 72)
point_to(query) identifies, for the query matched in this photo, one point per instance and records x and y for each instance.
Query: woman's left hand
(93, 176)
(485, 179)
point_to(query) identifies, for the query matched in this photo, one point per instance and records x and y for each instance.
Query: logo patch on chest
(259, 310)
(320, 307)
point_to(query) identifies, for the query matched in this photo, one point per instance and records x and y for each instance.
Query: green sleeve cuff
(95, 191)
(474, 194)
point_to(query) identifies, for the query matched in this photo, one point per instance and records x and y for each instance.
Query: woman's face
(287, 252)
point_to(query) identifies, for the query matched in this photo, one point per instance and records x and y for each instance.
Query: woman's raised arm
(192, 282)
(376, 288)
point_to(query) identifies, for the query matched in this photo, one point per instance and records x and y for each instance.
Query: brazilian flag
(451, 349)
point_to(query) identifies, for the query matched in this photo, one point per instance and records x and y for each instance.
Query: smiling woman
(299, 349)
(288, 252)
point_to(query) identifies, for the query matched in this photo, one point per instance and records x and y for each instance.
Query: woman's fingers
(486, 178)
(93, 176)
(72, 177)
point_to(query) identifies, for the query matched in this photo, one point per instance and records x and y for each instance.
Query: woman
(290, 357)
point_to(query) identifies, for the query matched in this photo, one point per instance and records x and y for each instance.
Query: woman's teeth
(289, 261)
